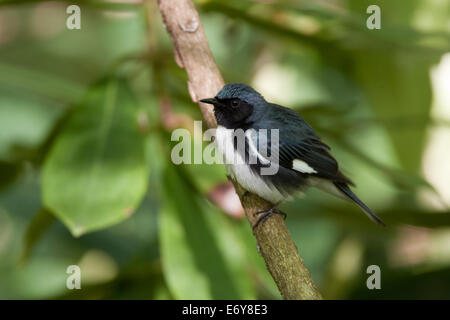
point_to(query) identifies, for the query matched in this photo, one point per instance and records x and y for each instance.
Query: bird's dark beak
(210, 101)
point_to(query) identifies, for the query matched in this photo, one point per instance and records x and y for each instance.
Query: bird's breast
(232, 149)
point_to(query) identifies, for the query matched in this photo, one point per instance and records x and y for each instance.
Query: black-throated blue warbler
(303, 159)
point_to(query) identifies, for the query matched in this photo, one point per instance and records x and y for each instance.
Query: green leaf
(205, 176)
(25, 121)
(202, 257)
(8, 173)
(96, 172)
(399, 178)
(38, 225)
(406, 91)
(264, 283)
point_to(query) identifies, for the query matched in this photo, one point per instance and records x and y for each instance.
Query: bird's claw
(265, 214)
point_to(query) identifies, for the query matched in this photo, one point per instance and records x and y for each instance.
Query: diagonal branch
(192, 52)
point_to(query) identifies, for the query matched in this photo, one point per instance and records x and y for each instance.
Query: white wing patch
(302, 166)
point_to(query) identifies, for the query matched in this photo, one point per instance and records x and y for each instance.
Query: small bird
(303, 159)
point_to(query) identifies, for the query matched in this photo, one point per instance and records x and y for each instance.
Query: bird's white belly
(240, 171)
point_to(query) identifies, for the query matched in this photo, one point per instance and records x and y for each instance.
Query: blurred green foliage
(85, 170)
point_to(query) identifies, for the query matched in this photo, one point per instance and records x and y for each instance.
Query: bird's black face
(235, 103)
(230, 113)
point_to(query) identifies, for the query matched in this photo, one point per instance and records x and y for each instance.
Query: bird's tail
(350, 195)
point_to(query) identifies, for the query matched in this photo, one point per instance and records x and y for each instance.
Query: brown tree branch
(192, 52)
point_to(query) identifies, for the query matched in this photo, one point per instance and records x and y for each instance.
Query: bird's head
(235, 103)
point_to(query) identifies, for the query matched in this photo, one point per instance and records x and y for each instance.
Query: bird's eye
(235, 103)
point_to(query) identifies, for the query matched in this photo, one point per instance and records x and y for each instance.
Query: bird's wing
(300, 149)
(310, 156)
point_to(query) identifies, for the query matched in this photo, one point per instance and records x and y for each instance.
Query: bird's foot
(265, 214)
